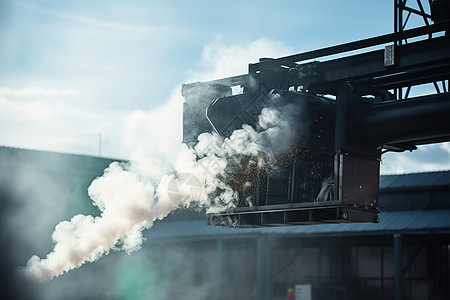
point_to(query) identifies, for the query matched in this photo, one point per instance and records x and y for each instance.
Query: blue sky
(72, 69)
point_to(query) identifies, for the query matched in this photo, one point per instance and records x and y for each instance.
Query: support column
(398, 266)
(221, 269)
(263, 272)
(259, 269)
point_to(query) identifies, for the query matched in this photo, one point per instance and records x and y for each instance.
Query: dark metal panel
(360, 182)
(198, 96)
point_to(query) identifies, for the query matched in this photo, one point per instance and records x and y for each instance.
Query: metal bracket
(389, 57)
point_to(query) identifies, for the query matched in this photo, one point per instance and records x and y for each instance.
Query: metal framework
(351, 76)
(369, 114)
(408, 14)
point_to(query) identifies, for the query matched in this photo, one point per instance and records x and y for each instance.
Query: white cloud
(53, 119)
(35, 92)
(220, 59)
(95, 22)
(31, 103)
(434, 157)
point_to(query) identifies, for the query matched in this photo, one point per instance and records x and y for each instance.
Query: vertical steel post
(263, 272)
(259, 269)
(398, 266)
(221, 268)
(268, 271)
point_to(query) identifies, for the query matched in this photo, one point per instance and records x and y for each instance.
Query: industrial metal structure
(355, 103)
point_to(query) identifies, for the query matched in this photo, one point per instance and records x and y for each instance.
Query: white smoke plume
(131, 196)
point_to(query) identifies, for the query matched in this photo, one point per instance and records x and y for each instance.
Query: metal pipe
(420, 121)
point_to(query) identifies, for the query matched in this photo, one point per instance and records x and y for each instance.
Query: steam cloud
(131, 196)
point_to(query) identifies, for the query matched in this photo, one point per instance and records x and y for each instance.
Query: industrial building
(405, 256)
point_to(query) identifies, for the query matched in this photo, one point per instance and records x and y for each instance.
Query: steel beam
(347, 47)
(368, 69)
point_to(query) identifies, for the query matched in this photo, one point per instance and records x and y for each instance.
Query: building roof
(415, 181)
